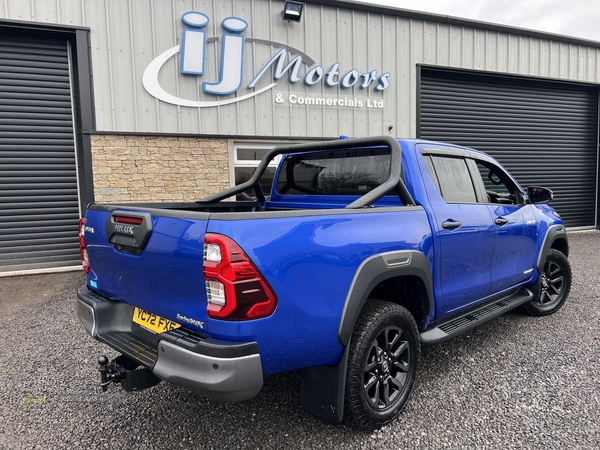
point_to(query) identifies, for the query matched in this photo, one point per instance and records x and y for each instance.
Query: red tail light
(85, 262)
(235, 288)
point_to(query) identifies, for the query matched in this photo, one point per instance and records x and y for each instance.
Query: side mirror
(539, 194)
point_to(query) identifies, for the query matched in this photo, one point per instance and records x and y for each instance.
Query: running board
(457, 325)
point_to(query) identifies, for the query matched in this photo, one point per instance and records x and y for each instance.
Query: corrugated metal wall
(39, 207)
(128, 34)
(545, 133)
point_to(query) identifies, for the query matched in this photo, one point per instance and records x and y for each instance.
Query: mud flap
(323, 390)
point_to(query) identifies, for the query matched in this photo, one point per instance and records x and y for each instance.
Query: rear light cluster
(236, 290)
(85, 261)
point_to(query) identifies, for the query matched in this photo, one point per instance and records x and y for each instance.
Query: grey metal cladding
(39, 206)
(127, 36)
(375, 270)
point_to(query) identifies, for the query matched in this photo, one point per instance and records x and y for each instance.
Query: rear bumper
(221, 370)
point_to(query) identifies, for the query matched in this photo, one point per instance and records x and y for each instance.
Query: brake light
(128, 220)
(85, 261)
(235, 288)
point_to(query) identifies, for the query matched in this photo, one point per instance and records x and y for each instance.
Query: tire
(382, 364)
(555, 285)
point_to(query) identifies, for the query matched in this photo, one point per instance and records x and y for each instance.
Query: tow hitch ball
(109, 373)
(127, 372)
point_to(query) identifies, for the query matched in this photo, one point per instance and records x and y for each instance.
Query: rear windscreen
(351, 172)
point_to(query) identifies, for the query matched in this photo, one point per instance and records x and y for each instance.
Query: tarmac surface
(25, 291)
(515, 382)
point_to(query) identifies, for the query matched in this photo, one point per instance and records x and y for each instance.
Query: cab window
(452, 178)
(499, 188)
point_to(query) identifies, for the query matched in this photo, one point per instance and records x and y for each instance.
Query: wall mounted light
(292, 12)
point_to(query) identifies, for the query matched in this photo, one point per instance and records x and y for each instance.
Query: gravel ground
(515, 382)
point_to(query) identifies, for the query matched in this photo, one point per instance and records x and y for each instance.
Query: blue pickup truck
(363, 250)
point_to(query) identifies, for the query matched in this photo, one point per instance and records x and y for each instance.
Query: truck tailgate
(165, 277)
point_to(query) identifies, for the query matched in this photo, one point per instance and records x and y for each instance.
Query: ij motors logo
(289, 61)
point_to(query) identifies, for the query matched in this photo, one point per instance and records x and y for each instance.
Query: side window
(452, 178)
(498, 187)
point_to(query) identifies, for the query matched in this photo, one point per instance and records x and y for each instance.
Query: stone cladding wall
(157, 169)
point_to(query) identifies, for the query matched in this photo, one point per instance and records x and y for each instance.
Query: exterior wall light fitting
(292, 11)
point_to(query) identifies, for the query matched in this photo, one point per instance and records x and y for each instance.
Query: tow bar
(127, 372)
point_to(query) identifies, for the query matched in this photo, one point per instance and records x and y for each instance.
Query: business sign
(286, 62)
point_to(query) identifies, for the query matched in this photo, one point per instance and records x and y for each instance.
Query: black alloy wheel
(555, 284)
(382, 364)
(386, 369)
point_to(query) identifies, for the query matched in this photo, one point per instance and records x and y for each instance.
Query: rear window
(352, 172)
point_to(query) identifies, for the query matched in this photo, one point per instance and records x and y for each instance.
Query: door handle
(501, 221)
(450, 224)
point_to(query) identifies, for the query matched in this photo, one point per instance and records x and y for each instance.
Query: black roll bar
(393, 184)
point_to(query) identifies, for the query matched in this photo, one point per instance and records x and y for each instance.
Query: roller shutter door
(545, 133)
(38, 178)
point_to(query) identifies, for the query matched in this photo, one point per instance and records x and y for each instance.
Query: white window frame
(237, 162)
(250, 162)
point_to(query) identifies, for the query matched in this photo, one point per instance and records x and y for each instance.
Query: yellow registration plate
(153, 322)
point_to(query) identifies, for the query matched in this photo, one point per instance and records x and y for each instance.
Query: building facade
(169, 100)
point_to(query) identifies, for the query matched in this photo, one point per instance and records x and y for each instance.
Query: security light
(292, 12)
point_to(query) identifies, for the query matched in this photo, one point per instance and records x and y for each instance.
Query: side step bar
(459, 324)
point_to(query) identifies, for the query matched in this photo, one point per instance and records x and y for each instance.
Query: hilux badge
(127, 229)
